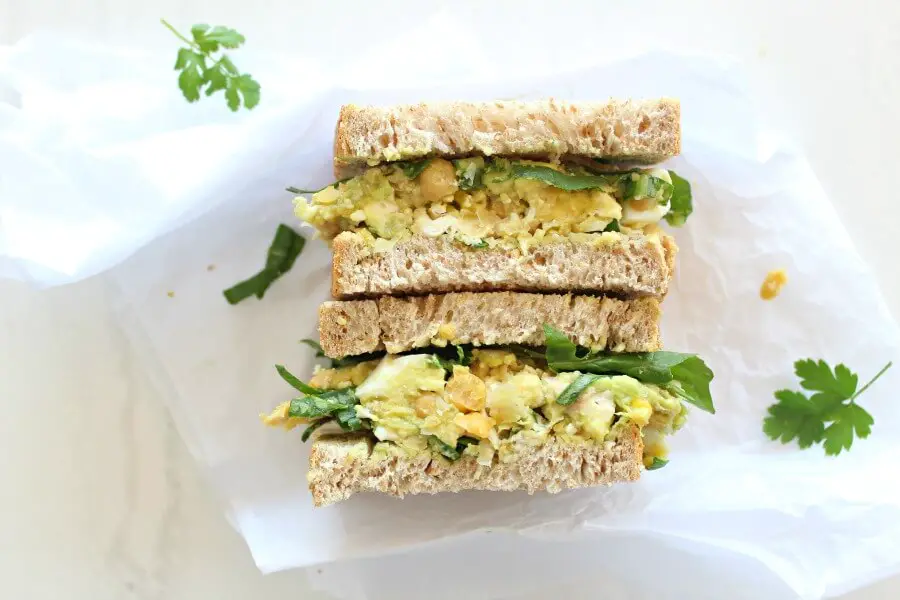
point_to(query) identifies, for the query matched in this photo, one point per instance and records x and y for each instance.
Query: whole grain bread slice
(612, 263)
(631, 131)
(353, 327)
(342, 465)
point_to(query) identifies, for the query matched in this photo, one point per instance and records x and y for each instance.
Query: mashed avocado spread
(487, 409)
(491, 201)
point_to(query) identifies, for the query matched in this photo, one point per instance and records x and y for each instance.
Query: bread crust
(631, 265)
(342, 465)
(627, 131)
(352, 327)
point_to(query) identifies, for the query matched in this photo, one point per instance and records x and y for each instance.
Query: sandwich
(497, 272)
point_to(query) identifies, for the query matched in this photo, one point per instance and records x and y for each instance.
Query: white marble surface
(100, 498)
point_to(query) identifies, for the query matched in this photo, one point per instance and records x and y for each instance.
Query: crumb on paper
(210, 267)
(762, 51)
(772, 284)
(170, 294)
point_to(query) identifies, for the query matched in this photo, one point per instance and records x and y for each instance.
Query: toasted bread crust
(622, 264)
(342, 465)
(353, 327)
(632, 131)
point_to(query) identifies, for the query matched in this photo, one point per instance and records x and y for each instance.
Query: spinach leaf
(469, 173)
(612, 226)
(563, 181)
(298, 191)
(445, 450)
(312, 427)
(283, 251)
(682, 204)
(685, 375)
(453, 355)
(657, 463)
(327, 403)
(315, 346)
(413, 168)
(295, 383)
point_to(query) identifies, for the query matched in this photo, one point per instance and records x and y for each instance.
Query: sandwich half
(519, 196)
(503, 418)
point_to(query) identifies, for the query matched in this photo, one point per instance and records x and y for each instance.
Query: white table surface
(100, 498)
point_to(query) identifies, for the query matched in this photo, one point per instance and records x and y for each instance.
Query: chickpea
(438, 180)
(465, 391)
(477, 424)
(425, 405)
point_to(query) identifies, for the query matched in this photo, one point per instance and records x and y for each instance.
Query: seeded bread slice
(353, 327)
(342, 465)
(630, 131)
(612, 263)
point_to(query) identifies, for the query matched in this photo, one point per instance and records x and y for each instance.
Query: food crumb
(772, 284)
(170, 294)
(210, 267)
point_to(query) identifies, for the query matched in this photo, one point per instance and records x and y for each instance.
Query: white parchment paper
(118, 182)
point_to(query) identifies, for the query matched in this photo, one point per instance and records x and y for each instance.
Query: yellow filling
(772, 284)
(499, 400)
(386, 205)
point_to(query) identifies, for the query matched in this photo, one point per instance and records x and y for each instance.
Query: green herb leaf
(196, 76)
(465, 441)
(657, 463)
(469, 173)
(794, 417)
(298, 191)
(452, 355)
(349, 361)
(574, 389)
(284, 250)
(685, 375)
(831, 416)
(413, 168)
(477, 244)
(324, 403)
(645, 185)
(295, 383)
(192, 66)
(315, 346)
(312, 427)
(443, 449)
(612, 226)
(348, 420)
(564, 181)
(681, 204)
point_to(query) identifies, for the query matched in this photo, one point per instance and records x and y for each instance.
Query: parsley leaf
(830, 416)
(203, 72)
(283, 251)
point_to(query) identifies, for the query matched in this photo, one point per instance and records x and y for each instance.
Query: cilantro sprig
(829, 416)
(203, 70)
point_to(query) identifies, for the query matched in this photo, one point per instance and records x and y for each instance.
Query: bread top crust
(625, 131)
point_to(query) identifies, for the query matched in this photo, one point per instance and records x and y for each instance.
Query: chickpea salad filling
(486, 201)
(491, 404)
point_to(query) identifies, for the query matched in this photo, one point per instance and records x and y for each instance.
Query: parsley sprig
(204, 71)
(830, 416)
